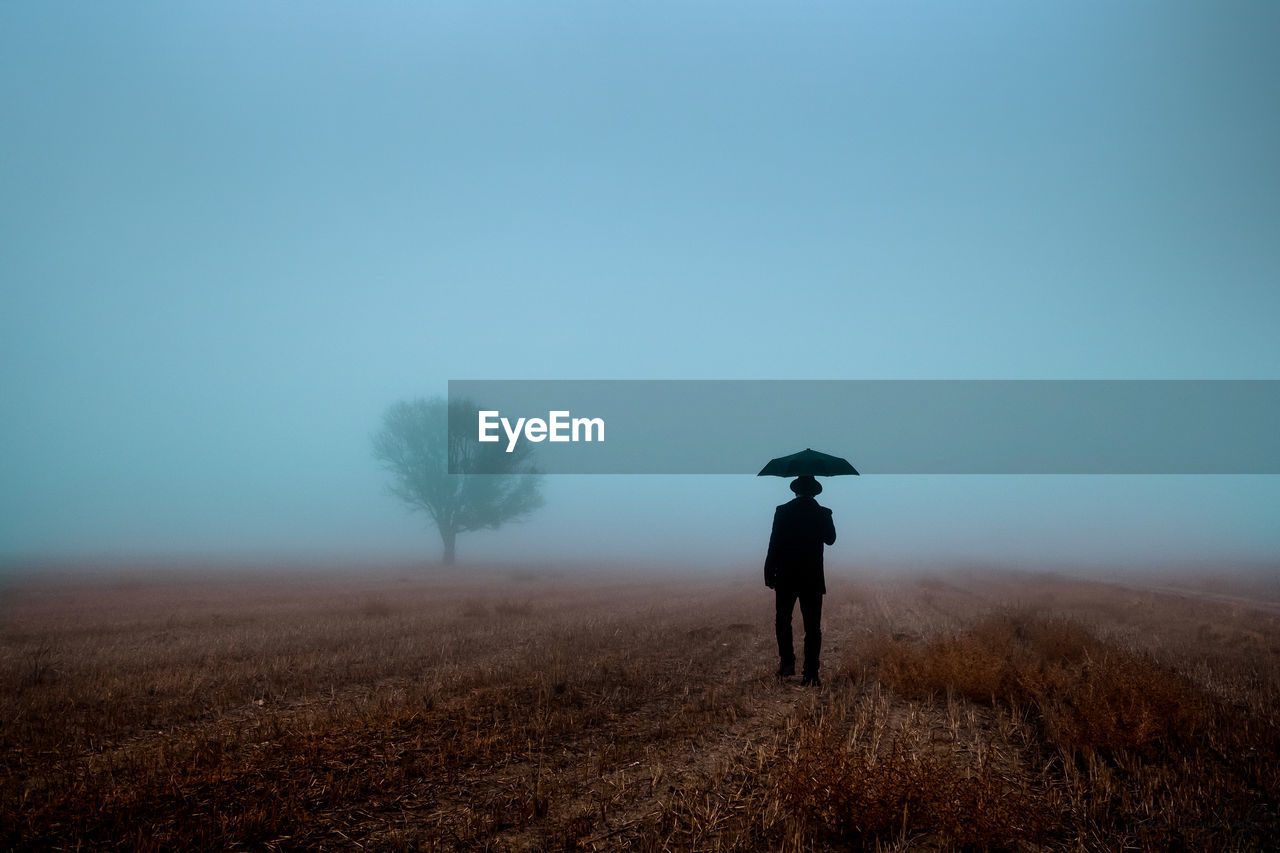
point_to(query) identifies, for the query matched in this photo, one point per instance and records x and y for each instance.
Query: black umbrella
(808, 463)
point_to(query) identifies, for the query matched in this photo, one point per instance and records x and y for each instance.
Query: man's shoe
(811, 680)
(786, 670)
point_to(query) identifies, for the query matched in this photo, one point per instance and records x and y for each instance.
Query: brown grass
(534, 713)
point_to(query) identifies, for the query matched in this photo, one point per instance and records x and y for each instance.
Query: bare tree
(491, 486)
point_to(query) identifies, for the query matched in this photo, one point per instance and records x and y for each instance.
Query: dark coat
(794, 561)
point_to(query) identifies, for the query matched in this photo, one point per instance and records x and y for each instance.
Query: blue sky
(231, 234)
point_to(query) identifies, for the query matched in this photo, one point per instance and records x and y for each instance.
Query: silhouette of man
(793, 570)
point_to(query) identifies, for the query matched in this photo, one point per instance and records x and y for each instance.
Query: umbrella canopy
(808, 463)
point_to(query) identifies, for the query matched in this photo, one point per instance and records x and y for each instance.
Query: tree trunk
(449, 535)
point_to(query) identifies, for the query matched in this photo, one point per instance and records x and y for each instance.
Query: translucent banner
(880, 426)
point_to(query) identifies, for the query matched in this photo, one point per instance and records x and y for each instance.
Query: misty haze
(269, 578)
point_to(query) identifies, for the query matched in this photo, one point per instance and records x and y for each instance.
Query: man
(793, 570)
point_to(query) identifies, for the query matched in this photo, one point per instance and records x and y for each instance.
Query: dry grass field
(520, 710)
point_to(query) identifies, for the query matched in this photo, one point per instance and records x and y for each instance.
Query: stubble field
(535, 710)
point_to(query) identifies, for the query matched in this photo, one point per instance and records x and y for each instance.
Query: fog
(231, 236)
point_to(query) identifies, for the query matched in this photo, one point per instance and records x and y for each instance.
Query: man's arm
(829, 535)
(771, 557)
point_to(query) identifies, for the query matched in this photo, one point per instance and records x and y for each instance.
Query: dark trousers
(811, 612)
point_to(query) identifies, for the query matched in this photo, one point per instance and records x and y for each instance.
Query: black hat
(806, 486)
